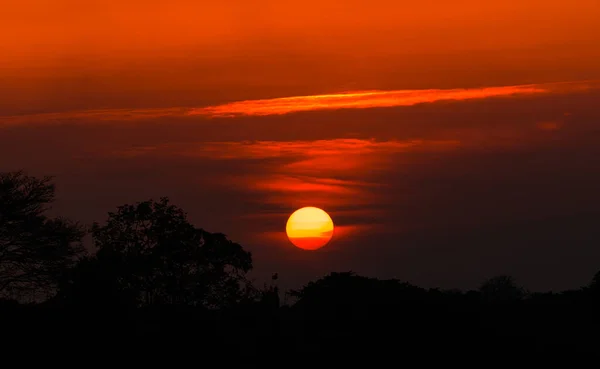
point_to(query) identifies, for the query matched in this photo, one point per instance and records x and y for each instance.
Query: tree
(595, 283)
(94, 285)
(152, 252)
(593, 290)
(34, 249)
(501, 288)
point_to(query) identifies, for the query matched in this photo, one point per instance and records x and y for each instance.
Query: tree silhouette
(94, 284)
(595, 284)
(150, 251)
(593, 291)
(34, 249)
(501, 288)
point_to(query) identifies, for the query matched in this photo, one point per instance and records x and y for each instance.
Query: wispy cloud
(339, 175)
(359, 100)
(294, 104)
(92, 116)
(325, 172)
(342, 154)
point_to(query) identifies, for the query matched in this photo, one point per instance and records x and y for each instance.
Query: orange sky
(55, 29)
(66, 54)
(459, 158)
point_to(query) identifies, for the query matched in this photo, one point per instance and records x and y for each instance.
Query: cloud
(294, 104)
(359, 100)
(342, 176)
(322, 168)
(306, 149)
(91, 116)
(549, 125)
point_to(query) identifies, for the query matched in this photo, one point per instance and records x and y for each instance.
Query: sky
(449, 141)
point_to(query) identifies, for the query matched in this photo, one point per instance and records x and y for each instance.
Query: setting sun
(309, 228)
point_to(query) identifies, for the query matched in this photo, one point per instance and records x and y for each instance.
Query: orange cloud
(329, 173)
(281, 183)
(549, 126)
(273, 149)
(92, 116)
(287, 105)
(359, 100)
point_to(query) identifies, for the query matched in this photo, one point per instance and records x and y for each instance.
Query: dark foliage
(34, 249)
(149, 254)
(158, 285)
(500, 289)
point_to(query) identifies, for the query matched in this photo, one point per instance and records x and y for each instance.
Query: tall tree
(154, 253)
(34, 249)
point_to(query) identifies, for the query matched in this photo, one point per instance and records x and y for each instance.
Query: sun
(309, 228)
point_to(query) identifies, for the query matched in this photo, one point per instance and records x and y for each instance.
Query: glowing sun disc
(309, 228)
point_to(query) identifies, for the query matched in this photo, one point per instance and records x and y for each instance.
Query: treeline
(154, 277)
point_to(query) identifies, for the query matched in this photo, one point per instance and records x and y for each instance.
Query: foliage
(150, 251)
(501, 288)
(34, 249)
(94, 284)
(595, 284)
(347, 293)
